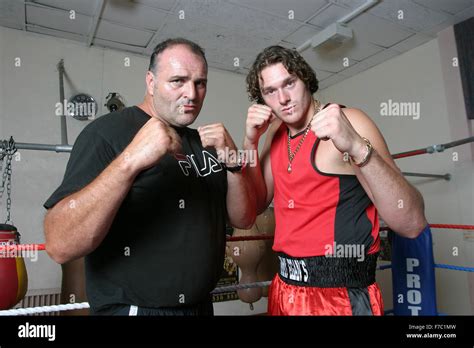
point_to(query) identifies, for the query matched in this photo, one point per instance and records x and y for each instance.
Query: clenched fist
(332, 123)
(215, 135)
(151, 143)
(259, 118)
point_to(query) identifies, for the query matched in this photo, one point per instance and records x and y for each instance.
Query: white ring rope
(83, 305)
(45, 309)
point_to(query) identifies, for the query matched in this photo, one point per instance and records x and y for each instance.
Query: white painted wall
(416, 76)
(28, 95)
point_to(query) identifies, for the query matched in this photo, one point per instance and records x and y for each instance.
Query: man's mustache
(186, 102)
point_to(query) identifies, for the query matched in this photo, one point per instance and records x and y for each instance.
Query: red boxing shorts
(325, 286)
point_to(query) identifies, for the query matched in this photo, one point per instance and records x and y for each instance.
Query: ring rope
(243, 238)
(437, 265)
(410, 153)
(454, 268)
(39, 247)
(240, 287)
(45, 309)
(447, 226)
(22, 247)
(456, 227)
(83, 305)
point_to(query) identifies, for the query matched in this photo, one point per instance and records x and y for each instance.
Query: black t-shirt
(166, 244)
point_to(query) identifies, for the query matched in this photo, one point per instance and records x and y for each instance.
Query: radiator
(40, 298)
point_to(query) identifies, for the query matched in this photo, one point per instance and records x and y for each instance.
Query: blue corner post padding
(413, 275)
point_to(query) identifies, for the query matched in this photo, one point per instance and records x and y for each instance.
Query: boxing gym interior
(407, 63)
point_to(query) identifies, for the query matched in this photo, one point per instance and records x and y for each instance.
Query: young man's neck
(301, 126)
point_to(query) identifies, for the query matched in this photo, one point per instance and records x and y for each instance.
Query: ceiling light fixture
(338, 32)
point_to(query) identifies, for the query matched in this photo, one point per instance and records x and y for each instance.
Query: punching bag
(269, 265)
(247, 255)
(413, 275)
(13, 276)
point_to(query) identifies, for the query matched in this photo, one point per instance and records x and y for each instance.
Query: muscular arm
(255, 176)
(399, 203)
(260, 172)
(77, 224)
(240, 200)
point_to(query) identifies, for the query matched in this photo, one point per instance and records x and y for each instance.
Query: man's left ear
(150, 82)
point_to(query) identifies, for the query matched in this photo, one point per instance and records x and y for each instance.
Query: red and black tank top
(316, 211)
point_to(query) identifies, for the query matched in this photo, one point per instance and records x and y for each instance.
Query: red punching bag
(13, 276)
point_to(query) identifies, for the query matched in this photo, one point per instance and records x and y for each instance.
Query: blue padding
(413, 275)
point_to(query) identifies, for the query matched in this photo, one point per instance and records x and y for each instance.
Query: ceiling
(232, 32)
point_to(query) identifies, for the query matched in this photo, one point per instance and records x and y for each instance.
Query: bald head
(171, 43)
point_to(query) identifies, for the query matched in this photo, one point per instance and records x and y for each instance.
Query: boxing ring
(412, 266)
(413, 262)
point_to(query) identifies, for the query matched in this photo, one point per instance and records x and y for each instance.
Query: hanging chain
(4, 148)
(8, 150)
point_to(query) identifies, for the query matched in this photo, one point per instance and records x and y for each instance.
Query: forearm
(240, 199)
(77, 224)
(255, 178)
(399, 204)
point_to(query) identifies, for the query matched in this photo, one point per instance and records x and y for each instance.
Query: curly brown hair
(291, 60)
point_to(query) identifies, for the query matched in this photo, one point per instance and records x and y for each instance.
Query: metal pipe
(413, 153)
(350, 16)
(61, 100)
(434, 148)
(442, 147)
(344, 20)
(446, 176)
(44, 147)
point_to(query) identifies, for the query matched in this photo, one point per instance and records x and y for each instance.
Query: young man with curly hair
(329, 172)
